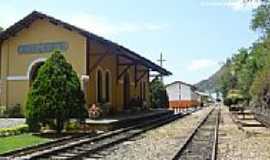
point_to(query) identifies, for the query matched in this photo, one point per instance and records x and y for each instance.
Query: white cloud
(201, 64)
(240, 5)
(103, 26)
(235, 5)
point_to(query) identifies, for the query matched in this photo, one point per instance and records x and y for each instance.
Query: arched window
(34, 71)
(99, 86)
(107, 86)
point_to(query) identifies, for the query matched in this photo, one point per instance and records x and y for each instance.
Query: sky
(195, 36)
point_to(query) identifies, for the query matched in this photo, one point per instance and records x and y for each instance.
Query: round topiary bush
(55, 95)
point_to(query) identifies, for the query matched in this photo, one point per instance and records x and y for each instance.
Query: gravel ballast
(161, 143)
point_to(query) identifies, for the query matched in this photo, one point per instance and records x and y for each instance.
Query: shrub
(158, 94)
(72, 126)
(260, 89)
(55, 95)
(227, 101)
(13, 130)
(2, 111)
(14, 111)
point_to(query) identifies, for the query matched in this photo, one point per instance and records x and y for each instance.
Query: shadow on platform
(124, 119)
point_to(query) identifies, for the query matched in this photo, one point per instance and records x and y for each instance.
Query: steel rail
(146, 125)
(139, 129)
(193, 133)
(215, 145)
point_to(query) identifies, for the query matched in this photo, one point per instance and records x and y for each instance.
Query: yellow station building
(108, 72)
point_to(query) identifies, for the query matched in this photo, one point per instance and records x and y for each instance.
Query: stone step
(251, 123)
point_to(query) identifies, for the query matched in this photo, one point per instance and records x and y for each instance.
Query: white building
(182, 95)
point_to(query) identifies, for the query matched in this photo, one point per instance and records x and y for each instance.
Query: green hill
(211, 84)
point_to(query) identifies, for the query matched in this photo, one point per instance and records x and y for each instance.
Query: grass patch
(15, 142)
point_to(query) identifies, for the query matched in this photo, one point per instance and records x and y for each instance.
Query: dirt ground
(235, 143)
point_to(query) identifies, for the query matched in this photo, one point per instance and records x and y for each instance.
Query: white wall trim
(85, 77)
(17, 78)
(27, 77)
(32, 64)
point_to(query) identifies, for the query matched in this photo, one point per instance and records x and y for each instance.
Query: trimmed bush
(55, 95)
(4, 132)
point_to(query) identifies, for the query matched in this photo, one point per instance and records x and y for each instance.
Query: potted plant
(94, 112)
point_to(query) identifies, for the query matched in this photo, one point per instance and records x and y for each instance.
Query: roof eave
(34, 15)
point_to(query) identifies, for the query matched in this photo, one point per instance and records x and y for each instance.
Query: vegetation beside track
(245, 77)
(15, 142)
(4, 132)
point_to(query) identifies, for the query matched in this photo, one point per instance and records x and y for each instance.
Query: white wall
(173, 91)
(186, 93)
(179, 91)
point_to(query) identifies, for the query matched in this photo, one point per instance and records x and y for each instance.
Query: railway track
(41, 147)
(202, 142)
(83, 146)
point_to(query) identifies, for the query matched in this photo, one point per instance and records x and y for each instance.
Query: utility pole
(161, 60)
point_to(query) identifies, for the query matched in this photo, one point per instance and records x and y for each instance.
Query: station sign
(42, 47)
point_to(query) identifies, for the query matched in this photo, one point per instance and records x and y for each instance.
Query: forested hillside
(211, 84)
(246, 76)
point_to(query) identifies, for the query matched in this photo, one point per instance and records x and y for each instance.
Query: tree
(158, 94)
(1, 29)
(260, 89)
(247, 73)
(55, 95)
(227, 80)
(261, 19)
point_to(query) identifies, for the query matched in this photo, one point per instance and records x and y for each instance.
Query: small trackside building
(182, 95)
(203, 98)
(109, 72)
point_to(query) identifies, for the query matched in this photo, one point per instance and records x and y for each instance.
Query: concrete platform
(124, 120)
(11, 122)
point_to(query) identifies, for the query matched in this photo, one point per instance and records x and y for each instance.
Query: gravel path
(235, 144)
(11, 122)
(161, 143)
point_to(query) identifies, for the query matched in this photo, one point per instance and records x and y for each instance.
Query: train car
(182, 95)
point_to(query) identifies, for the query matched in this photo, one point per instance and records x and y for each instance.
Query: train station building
(109, 72)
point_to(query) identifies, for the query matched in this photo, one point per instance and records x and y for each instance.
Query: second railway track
(202, 142)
